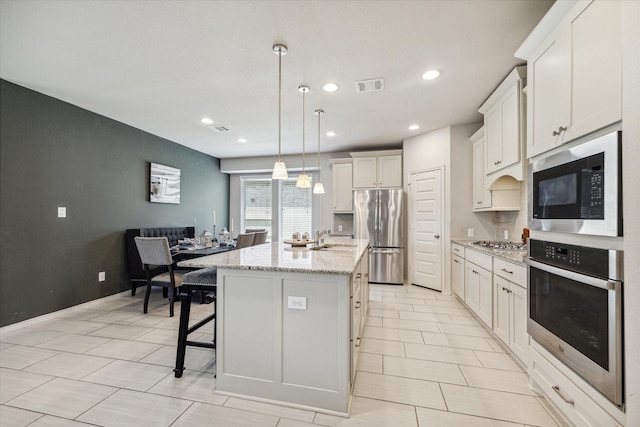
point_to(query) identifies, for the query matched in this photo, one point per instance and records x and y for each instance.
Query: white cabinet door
(502, 312)
(485, 301)
(342, 187)
(365, 172)
(481, 194)
(510, 118)
(472, 286)
(390, 171)
(493, 138)
(457, 276)
(519, 342)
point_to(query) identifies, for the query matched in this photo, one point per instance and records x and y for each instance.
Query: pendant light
(279, 169)
(303, 179)
(318, 188)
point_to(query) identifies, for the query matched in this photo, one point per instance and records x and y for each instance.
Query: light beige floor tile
(62, 397)
(19, 357)
(511, 407)
(29, 337)
(424, 293)
(164, 337)
(458, 341)
(422, 369)
(73, 343)
(497, 361)
(391, 334)
(127, 332)
(383, 293)
(471, 331)
(404, 300)
(435, 418)
(373, 321)
(203, 415)
(13, 383)
(114, 316)
(193, 385)
(148, 321)
(460, 356)
(460, 320)
(415, 325)
(429, 317)
(16, 417)
(441, 310)
(390, 306)
(127, 408)
(372, 413)
(51, 421)
(392, 348)
(496, 345)
(449, 304)
(284, 422)
(496, 379)
(69, 365)
(73, 326)
(124, 349)
(398, 389)
(268, 409)
(130, 375)
(370, 362)
(82, 314)
(379, 312)
(5, 345)
(195, 358)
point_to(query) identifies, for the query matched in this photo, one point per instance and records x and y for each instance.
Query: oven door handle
(583, 278)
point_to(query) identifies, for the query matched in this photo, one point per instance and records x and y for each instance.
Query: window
(255, 209)
(295, 209)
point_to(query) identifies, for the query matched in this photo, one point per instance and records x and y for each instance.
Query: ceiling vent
(373, 85)
(219, 128)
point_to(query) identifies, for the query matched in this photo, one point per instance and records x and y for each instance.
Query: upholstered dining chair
(245, 240)
(260, 237)
(154, 251)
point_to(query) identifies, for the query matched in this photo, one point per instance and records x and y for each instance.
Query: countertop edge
(516, 257)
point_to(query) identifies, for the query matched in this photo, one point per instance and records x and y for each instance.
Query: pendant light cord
(280, 104)
(319, 172)
(303, 93)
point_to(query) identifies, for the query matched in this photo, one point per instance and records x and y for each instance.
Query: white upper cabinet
(504, 126)
(342, 185)
(379, 169)
(575, 76)
(481, 193)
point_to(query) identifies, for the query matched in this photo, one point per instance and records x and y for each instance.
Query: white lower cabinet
(359, 303)
(457, 276)
(478, 285)
(510, 316)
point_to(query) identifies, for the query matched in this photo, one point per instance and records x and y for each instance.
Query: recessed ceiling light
(431, 74)
(330, 87)
(331, 133)
(207, 121)
(242, 140)
(414, 127)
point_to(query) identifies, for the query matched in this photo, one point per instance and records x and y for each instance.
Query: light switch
(470, 232)
(62, 212)
(297, 303)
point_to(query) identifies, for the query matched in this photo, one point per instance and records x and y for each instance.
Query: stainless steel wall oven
(579, 190)
(575, 310)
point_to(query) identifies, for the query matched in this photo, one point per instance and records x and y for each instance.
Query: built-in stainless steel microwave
(579, 190)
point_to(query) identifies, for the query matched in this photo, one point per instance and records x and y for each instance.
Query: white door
(425, 229)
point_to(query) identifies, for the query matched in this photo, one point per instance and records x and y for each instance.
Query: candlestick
(195, 227)
(231, 225)
(214, 217)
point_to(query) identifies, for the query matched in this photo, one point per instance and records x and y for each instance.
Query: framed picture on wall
(164, 184)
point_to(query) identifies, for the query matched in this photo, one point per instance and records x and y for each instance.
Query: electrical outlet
(339, 228)
(471, 232)
(297, 303)
(506, 234)
(62, 212)
(102, 276)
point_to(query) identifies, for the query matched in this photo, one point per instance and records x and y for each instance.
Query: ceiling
(161, 66)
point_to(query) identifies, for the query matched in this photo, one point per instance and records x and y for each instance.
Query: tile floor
(424, 361)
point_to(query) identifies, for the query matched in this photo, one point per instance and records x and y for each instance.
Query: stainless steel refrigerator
(378, 215)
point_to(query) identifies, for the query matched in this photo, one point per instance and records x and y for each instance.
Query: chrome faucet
(319, 236)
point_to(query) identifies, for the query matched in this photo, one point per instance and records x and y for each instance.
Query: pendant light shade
(279, 169)
(318, 188)
(303, 180)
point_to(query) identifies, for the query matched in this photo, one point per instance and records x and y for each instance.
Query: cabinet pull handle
(456, 261)
(557, 390)
(358, 342)
(357, 304)
(359, 275)
(507, 271)
(559, 131)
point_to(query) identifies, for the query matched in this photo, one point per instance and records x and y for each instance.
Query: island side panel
(275, 353)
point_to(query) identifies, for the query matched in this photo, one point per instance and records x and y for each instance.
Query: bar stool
(204, 280)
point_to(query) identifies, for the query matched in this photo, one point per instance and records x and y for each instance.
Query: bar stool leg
(185, 310)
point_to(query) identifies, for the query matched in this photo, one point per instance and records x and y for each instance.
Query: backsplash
(512, 221)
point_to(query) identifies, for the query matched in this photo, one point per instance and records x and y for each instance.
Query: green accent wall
(56, 154)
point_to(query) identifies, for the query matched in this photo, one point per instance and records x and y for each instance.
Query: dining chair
(245, 240)
(260, 237)
(254, 230)
(154, 251)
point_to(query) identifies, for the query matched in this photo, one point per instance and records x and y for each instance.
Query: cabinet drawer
(572, 402)
(510, 271)
(479, 258)
(457, 249)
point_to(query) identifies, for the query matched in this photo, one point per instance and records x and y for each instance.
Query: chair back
(260, 238)
(245, 240)
(154, 250)
(254, 230)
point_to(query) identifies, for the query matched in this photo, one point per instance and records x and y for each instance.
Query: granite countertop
(513, 256)
(341, 257)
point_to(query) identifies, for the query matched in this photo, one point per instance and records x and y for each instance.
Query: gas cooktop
(501, 246)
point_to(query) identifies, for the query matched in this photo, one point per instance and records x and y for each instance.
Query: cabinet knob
(559, 131)
(437, 236)
(358, 304)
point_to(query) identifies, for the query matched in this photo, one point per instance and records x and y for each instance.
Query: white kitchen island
(289, 322)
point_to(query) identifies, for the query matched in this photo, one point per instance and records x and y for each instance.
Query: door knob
(437, 236)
